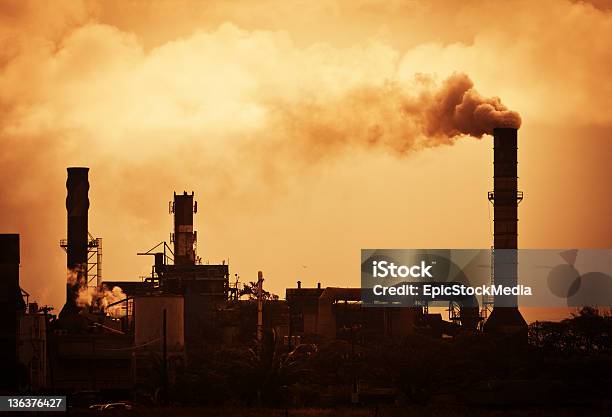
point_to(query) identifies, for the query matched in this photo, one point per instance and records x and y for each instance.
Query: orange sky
(183, 95)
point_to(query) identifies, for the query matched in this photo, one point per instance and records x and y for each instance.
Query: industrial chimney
(77, 207)
(184, 237)
(505, 317)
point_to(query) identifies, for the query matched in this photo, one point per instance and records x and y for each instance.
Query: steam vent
(505, 317)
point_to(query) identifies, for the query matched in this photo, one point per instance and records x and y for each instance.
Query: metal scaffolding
(94, 259)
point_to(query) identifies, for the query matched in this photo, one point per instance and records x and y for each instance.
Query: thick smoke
(404, 117)
(458, 109)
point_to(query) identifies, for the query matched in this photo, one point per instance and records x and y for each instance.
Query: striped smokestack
(505, 197)
(184, 237)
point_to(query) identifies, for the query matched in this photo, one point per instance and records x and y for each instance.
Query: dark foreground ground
(408, 411)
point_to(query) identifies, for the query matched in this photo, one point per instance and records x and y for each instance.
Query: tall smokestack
(184, 237)
(77, 207)
(505, 197)
(10, 304)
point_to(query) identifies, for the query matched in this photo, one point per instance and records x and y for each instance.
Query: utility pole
(164, 361)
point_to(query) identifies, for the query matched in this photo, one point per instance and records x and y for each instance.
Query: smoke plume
(100, 298)
(404, 117)
(458, 109)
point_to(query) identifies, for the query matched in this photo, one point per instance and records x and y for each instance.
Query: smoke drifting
(100, 298)
(403, 116)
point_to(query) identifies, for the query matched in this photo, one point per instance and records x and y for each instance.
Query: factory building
(11, 306)
(203, 288)
(332, 313)
(95, 361)
(237, 322)
(32, 347)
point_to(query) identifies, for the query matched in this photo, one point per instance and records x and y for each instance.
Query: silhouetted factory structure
(104, 339)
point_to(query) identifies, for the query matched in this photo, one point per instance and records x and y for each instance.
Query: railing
(491, 196)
